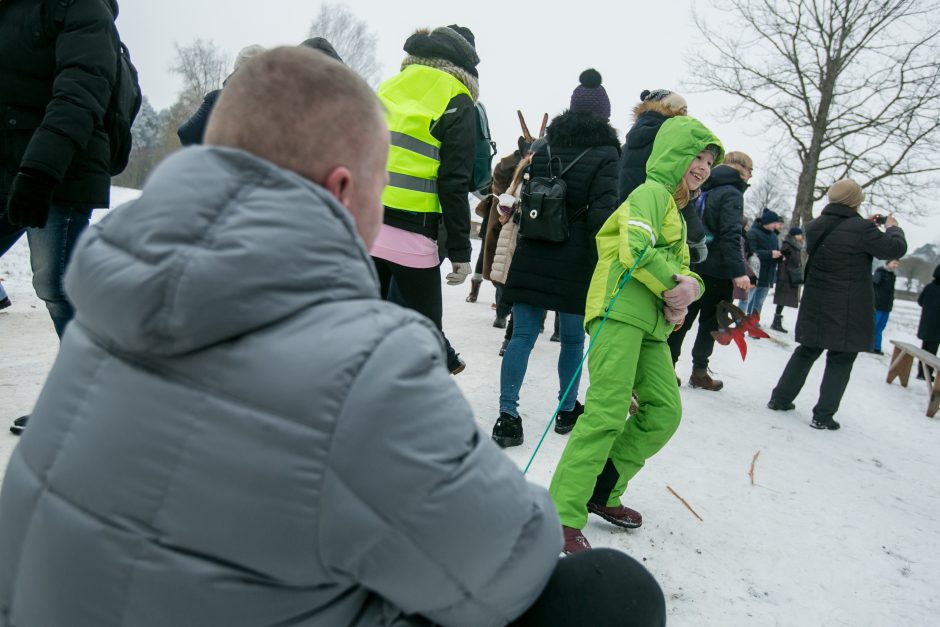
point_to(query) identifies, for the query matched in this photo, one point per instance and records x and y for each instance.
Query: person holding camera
(789, 276)
(838, 298)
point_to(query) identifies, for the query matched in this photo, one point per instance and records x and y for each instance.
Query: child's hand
(683, 294)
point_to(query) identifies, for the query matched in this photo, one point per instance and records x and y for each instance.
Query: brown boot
(475, 284)
(700, 379)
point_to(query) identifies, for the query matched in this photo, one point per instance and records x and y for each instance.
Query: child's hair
(517, 177)
(682, 194)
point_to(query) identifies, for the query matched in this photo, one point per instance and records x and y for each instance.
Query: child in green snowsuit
(606, 449)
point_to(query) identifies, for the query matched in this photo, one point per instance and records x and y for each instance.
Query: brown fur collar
(654, 105)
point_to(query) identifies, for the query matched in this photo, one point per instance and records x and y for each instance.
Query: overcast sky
(531, 53)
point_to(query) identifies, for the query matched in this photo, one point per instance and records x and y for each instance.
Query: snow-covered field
(840, 528)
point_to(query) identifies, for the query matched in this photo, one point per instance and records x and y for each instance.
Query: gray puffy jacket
(237, 431)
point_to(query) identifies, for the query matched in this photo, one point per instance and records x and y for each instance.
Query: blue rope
(626, 278)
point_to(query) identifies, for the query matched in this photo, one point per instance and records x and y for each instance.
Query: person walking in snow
(883, 282)
(723, 267)
(835, 314)
(764, 243)
(789, 276)
(582, 149)
(214, 471)
(928, 330)
(647, 232)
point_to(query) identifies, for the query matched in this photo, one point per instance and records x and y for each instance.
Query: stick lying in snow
(753, 462)
(684, 502)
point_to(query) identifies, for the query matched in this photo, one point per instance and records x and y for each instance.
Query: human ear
(339, 183)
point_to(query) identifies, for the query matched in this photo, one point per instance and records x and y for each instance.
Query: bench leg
(901, 364)
(934, 397)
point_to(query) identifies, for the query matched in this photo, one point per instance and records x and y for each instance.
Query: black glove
(29, 199)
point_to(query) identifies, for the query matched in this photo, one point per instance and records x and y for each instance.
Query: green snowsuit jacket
(649, 220)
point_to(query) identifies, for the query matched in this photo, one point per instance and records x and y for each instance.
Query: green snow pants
(623, 358)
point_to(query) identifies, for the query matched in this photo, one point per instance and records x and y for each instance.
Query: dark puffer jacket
(724, 208)
(763, 243)
(55, 84)
(648, 117)
(883, 282)
(929, 300)
(557, 276)
(838, 300)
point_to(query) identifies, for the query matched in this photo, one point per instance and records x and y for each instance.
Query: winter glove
(460, 272)
(683, 294)
(698, 251)
(675, 315)
(29, 199)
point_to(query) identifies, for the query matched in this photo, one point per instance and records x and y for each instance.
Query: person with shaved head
(237, 430)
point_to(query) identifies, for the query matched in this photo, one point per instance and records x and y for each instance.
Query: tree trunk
(806, 187)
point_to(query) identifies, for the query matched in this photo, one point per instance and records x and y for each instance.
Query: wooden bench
(903, 360)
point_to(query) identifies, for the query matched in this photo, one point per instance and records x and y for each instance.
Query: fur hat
(452, 43)
(846, 192)
(324, 46)
(590, 95)
(669, 98)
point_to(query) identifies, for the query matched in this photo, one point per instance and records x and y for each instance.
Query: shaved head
(305, 112)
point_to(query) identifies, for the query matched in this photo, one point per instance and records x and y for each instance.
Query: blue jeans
(755, 299)
(881, 321)
(527, 320)
(49, 251)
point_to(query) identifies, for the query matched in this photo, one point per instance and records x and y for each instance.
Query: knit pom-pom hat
(590, 95)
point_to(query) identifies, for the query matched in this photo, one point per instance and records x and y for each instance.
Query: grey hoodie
(237, 431)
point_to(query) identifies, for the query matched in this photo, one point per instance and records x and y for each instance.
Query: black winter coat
(636, 152)
(763, 243)
(456, 131)
(193, 130)
(724, 209)
(557, 276)
(786, 293)
(55, 85)
(883, 282)
(929, 300)
(838, 300)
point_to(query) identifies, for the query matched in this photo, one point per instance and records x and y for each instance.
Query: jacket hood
(644, 129)
(654, 106)
(677, 143)
(725, 175)
(220, 243)
(581, 128)
(114, 7)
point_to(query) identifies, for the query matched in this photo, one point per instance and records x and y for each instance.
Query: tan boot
(475, 284)
(700, 379)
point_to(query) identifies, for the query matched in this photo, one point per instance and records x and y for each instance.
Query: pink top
(411, 250)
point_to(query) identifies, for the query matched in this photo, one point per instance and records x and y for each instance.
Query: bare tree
(202, 66)
(351, 37)
(853, 85)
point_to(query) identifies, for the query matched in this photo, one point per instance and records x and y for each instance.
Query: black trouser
(479, 267)
(930, 347)
(779, 312)
(600, 588)
(706, 309)
(835, 379)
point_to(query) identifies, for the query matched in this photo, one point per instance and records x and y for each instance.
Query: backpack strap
(811, 253)
(576, 159)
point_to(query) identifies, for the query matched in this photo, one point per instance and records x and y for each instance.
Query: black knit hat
(446, 42)
(590, 95)
(324, 46)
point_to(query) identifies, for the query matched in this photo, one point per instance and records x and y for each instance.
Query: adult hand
(891, 221)
(460, 272)
(776, 254)
(683, 294)
(742, 282)
(29, 200)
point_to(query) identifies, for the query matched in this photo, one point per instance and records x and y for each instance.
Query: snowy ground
(840, 528)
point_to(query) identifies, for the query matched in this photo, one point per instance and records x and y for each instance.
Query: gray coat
(237, 431)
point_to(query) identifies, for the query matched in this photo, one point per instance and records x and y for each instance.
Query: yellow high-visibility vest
(414, 100)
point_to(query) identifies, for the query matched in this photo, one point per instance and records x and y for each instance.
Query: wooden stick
(753, 462)
(684, 502)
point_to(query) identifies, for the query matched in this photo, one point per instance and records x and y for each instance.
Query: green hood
(677, 143)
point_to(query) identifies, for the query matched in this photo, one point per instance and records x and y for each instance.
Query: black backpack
(484, 151)
(543, 210)
(125, 100)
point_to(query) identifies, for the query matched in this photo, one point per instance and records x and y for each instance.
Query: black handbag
(543, 210)
(795, 274)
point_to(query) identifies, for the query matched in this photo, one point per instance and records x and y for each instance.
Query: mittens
(29, 199)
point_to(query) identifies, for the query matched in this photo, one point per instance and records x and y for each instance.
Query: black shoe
(500, 322)
(508, 430)
(456, 365)
(830, 424)
(6, 302)
(565, 420)
(778, 406)
(876, 351)
(554, 338)
(19, 425)
(502, 349)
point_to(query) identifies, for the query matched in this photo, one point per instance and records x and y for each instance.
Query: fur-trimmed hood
(657, 107)
(581, 128)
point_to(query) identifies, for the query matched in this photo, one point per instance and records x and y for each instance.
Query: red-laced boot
(575, 542)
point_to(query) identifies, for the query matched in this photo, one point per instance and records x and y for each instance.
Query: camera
(879, 219)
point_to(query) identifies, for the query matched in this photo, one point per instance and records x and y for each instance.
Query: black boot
(475, 284)
(565, 420)
(778, 324)
(19, 425)
(508, 430)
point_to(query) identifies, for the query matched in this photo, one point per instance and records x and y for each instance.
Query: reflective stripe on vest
(414, 101)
